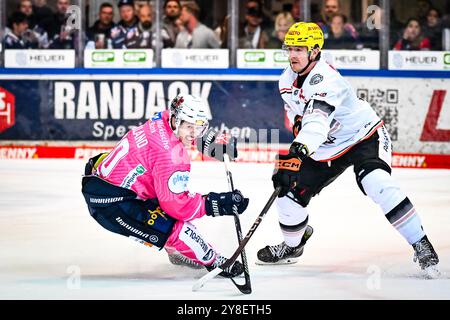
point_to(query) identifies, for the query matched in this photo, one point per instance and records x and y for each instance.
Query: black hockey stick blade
(245, 288)
(210, 275)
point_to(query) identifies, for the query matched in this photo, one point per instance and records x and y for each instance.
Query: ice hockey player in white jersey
(333, 130)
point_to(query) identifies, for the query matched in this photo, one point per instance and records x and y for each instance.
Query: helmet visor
(196, 130)
(294, 51)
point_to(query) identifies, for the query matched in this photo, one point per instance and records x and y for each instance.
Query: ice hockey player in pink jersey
(139, 189)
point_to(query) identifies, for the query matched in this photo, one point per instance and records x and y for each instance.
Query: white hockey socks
(400, 212)
(293, 220)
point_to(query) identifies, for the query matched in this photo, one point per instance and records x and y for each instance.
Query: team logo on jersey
(178, 181)
(317, 78)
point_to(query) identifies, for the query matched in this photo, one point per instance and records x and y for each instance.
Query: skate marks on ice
(46, 233)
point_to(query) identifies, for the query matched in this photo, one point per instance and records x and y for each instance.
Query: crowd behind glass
(129, 24)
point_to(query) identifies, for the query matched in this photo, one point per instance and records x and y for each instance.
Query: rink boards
(68, 116)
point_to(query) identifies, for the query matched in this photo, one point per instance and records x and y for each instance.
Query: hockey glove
(214, 144)
(225, 203)
(287, 168)
(297, 125)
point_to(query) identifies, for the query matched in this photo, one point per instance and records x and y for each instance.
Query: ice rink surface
(50, 247)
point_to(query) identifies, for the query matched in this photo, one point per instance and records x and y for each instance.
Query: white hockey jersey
(327, 132)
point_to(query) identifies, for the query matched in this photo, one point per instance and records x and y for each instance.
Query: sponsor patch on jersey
(196, 243)
(178, 181)
(132, 176)
(317, 78)
(322, 94)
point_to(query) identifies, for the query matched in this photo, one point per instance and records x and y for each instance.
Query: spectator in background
(222, 32)
(66, 36)
(45, 16)
(370, 30)
(422, 6)
(26, 7)
(282, 23)
(433, 29)
(329, 9)
(126, 26)
(138, 4)
(252, 35)
(143, 33)
(412, 38)
(295, 11)
(60, 17)
(169, 29)
(100, 32)
(17, 25)
(338, 36)
(34, 37)
(195, 34)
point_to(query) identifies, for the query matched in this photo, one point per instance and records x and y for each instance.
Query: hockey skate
(282, 253)
(234, 270)
(426, 256)
(180, 260)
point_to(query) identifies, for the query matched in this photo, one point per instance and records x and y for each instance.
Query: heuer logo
(103, 56)
(257, 56)
(7, 109)
(134, 56)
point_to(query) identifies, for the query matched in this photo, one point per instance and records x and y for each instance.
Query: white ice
(50, 247)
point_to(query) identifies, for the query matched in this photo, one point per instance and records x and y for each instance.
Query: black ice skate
(282, 253)
(234, 270)
(180, 260)
(426, 256)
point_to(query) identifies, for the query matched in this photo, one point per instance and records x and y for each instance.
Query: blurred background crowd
(119, 24)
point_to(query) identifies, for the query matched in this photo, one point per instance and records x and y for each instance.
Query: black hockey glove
(287, 167)
(214, 144)
(297, 125)
(225, 203)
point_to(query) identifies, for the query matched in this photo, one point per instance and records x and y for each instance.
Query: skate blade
(432, 272)
(178, 262)
(282, 261)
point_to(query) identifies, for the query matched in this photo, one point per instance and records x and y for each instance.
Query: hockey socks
(405, 219)
(293, 220)
(400, 212)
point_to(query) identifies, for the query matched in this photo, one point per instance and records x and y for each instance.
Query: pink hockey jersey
(151, 161)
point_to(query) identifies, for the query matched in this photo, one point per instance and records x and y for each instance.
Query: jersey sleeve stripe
(285, 90)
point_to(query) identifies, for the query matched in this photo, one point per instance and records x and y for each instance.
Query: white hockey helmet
(189, 108)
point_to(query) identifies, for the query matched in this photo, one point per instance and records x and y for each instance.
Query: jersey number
(114, 157)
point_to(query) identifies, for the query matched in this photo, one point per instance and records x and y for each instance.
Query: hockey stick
(245, 288)
(201, 282)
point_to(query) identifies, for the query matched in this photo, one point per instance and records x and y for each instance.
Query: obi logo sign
(7, 109)
(447, 59)
(258, 56)
(280, 57)
(134, 57)
(103, 56)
